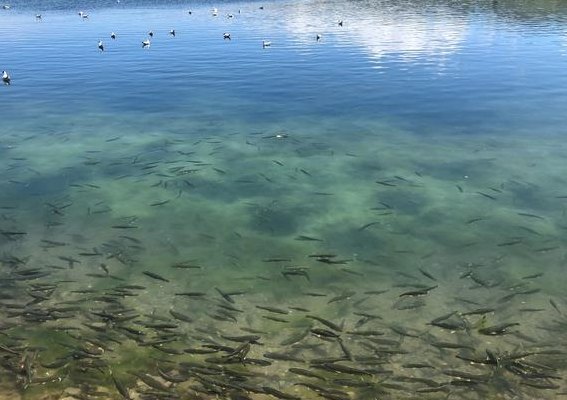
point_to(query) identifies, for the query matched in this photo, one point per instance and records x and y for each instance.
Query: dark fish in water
(495, 330)
(368, 225)
(295, 338)
(296, 272)
(419, 292)
(151, 381)
(534, 276)
(278, 394)
(366, 333)
(307, 373)
(315, 294)
(123, 390)
(324, 333)
(376, 292)
(417, 365)
(479, 311)
(225, 296)
(510, 243)
(155, 276)
(531, 215)
(181, 317)
(487, 196)
(307, 238)
(243, 339)
(448, 345)
(554, 305)
(276, 319)
(334, 367)
(540, 385)
(159, 203)
(427, 274)
(325, 322)
(346, 295)
(467, 376)
(273, 310)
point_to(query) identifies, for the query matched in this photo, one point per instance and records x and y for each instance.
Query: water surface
(401, 177)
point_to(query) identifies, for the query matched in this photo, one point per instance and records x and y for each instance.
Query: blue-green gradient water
(366, 209)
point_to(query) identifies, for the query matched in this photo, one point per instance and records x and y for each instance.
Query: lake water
(380, 212)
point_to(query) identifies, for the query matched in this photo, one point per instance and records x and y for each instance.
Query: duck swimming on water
(100, 45)
(6, 78)
(146, 43)
(266, 43)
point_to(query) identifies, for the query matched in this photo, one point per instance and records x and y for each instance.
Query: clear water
(419, 145)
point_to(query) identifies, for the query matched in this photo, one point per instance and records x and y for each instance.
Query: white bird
(266, 43)
(318, 37)
(6, 7)
(341, 22)
(100, 45)
(113, 35)
(230, 16)
(38, 16)
(6, 78)
(146, 43)
(226, 35)
(215, 12)
(172, 32)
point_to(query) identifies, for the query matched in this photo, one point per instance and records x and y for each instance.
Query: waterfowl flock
(146, 43)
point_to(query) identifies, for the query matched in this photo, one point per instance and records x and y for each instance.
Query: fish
(495, 330)
(307, 238)
(273, 310)
(279, 394)
(479, 311)
(307, 373)
(181, 317)
(419, 292)
(155, 276)
(325, 322)
(533, 276)
(427, 274)
(531, 215)
(159, 203)
(368, 225)
(554, 305)
(487, 196)
(345, 296)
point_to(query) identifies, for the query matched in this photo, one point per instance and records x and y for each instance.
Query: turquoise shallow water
(376, 214)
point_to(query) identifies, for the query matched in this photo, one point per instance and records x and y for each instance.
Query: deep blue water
(429, 67)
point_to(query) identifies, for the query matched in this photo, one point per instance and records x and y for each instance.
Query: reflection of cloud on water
(382, 31)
